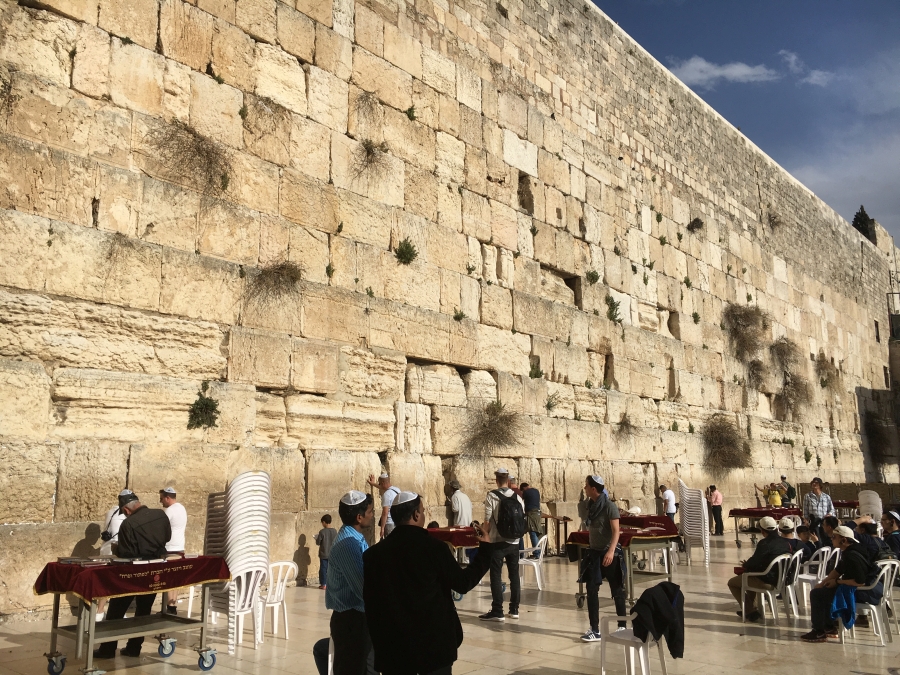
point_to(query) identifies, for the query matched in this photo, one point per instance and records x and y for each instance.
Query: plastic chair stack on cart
(870, 504)
(237, 528)
(694, 519)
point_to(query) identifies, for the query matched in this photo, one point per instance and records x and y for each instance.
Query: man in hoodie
(768, 548)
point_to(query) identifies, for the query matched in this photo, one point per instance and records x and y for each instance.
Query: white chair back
(246, 588)
(792, 569)
(280, 573)
(833, 560)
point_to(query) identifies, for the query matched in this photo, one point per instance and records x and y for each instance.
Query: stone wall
(157, 156)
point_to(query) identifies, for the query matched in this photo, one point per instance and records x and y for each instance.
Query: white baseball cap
(768, 523)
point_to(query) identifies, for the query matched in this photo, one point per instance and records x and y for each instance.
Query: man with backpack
(504, 525)
(788, 492)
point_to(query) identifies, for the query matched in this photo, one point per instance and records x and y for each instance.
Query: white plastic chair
(627, 638)
(877, 612)
(780, 562)
(239, 598)
(280, 573)
(807, 578)
(537, 564)
(791, 581)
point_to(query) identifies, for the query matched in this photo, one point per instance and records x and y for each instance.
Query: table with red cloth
(637, 534)
(90, 583)
(753, 516)
(844, 508)
(455, 537)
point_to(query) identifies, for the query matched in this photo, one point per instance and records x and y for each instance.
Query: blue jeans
(323, 571)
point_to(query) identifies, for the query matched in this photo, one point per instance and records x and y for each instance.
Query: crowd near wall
(221, 192)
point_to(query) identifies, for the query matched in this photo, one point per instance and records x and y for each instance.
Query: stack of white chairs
(870, 503)
(694, 519)
(237, 528)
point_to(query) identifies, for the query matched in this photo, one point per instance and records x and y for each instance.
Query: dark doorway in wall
(674, 325)
(575, 283)
(609, 372)
(526, 197)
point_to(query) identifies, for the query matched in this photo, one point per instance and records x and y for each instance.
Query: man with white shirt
(668, 498)
(504, 524)
(460, 504)
(388, 495)
(178, 520)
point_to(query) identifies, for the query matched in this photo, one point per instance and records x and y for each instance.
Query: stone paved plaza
(543, 642)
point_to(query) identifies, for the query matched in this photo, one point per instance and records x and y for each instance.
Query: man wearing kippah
(409, 610)
(344, 587)
(769, 547)
(604, 559)
(499, 504)
(388, 495)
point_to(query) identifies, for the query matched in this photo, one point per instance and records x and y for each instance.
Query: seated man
(808, 539)
(769, 547)
(855, 570)
(890, 521)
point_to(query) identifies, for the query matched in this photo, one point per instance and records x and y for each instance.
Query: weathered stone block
(233, 55)
(259, 357)
(520, 153)
(136, 78)
(314, 366)
(24, 399)
(450, 158)
(403, 50)
(230, 232)
(200, 287)
(328, 99)
(214, 110)
(434, 384)
(91, 473)
(280, 78)
(331, 473)
(185, 33)
(389, 83)
(333, 314)
(90, 69)
(134, 19)
(257, 18)
(320, 10)
(496, 307)
(296, 32)
(372, 375)
(413, 427)
(420, 473)
(334, 52)
(270, 423)
(481, 387)
(28, 482)
(315, 423)
(500, 349)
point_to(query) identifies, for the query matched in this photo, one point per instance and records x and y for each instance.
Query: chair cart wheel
(55, 665)
(641, 564)
(206, 662)
(457, 596)
(166, 648)
(503, 587)
(579, 601)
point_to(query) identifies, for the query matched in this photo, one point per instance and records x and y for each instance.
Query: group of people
(133, 530)
(857, 569)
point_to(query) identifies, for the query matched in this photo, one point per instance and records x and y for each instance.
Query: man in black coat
(407, 579)
(144, 534)
(769, 547)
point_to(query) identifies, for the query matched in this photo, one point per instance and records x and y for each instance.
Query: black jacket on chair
(769, 547)
(660, 612)
(407, 578)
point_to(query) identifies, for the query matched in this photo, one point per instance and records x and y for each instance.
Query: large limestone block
(24, 399)
(229, 231)
(420, 473)
(90, 69)
(23, 237)
(447, 429)
(387, 82)
(328, 99)
(549, 438)
(71, 333)
(316, 423)
(215, 110)
(533, 315)
(502, 350)
(315, 366)
(28, 481)
(185, 33)
(80, 10)
(413, 427)
(329, 313)
(520, 153)
(136, 78)
(233, 55)
(270, 423)
(134, 19)
(439, 72)
(417, 332)
(257, 18)
(372, 375)
(450, 158)
(332, 473)
(334, 52)
(168, 215)
(403, 50)
(91, 473)
(259, 357)
(560, 400)
(481, 387)
(200, 287)
(38, 43)
(308, 202)
(590, 404)
(417, 284)
(296, 32)
(310, 148)
(434, 384)
(280, 78)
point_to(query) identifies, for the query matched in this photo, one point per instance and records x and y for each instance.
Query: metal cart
(753, 516)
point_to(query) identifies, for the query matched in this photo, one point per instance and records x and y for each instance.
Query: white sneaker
(512, 615)
(100, 616)
(590, 636)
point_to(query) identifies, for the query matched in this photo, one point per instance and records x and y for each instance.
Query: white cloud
(819, 78)
(698, 72)
(794, 63)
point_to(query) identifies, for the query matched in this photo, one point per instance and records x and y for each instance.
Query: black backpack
(510, 516)
(791, 493)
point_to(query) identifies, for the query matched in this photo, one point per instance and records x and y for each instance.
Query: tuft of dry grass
(756, 374)
(794, 393)
(878, 439)
(746, 326)
(8, 99)
(827, 372)
(785, 353)
(724, 448)
(625, 428)
(489, 428)
(367, 109)
(774, 219)
(191, 157)
(370, 159)
(274, 283)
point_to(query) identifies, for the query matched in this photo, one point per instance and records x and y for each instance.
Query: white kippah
(404, 497)
(125, 492)
(353, 498)
(598, 480)
(384, 475)
(501, 472)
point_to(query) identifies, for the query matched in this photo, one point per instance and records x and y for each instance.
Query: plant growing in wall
(807, 455)
(368, 109)
(535, 373)
(773, 219)
(674, 426)
(694, 225)
(687, 282)
(592, 277)
(406, 252)
(552, 401)
(490, 428)
(877, 439)
(612, 310)
(723, 445)
(756, 374)
(827, 372)
(658, 217)
(459, 315)
(370, 159)
(696, 317)
(274, 283)
(662, 240)
(411, 113)
(329, 270)
(794, 393)
(187, 156)
(690, 427)
(746, 327)
(625, 428)
(785, 353)
(203, 412)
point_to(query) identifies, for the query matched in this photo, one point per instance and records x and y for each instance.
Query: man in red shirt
(714, 497)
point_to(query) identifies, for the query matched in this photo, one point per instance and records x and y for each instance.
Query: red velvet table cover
(845, 503)
(456, 536)
(634, 527)
(117, 580)
(775, 512)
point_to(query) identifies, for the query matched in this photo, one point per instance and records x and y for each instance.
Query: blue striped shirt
(344, 589)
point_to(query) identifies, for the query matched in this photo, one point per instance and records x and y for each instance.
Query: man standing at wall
(668, 498)
(178, 520)
(388, 494)
(344, 587)
(531, 497)
(715, 504)
(504, 524)
(460, 505)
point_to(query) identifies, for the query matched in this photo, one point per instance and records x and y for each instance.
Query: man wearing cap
(408, 579)
(788, 493)
(388, 494)
(110, 536)
(854, 569)
(460, 505)
(503, 549)
(344, 587)
(603, 559)
(769, 547)
(143, 534)
(178, 520)
(786, 529)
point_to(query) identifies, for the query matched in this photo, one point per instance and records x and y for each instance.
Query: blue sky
(814, 83)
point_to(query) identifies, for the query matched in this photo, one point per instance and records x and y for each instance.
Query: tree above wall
(864, 224)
